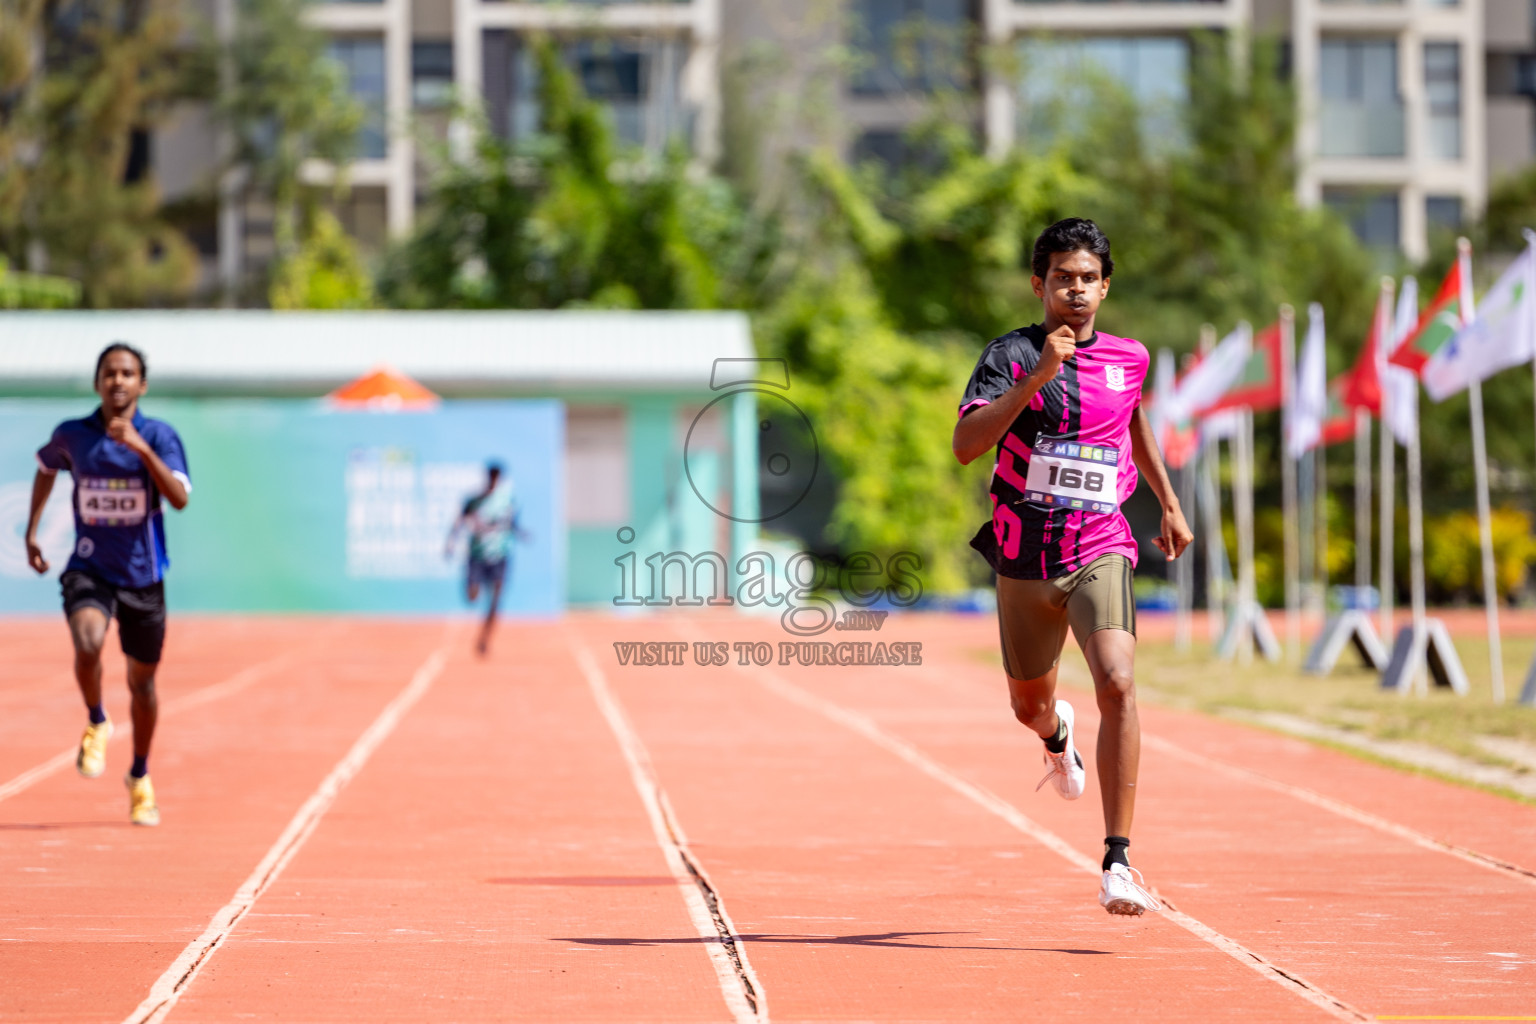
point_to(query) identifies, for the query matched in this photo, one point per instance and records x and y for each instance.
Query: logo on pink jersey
(1114, 377)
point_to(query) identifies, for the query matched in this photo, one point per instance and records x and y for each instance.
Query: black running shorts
(1033, 615)
(140, 611)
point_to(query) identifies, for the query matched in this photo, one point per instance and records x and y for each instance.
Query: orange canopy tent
(383, 389)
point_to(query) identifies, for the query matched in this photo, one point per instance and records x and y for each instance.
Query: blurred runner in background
(491, 519)
(122, 462)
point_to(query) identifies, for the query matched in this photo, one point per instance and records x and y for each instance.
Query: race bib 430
(111, 501)
(1065, 474)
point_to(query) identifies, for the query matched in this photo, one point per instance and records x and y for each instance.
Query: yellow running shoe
(92, 760)
(141, 801)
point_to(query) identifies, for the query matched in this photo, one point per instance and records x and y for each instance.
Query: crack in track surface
(743, 993)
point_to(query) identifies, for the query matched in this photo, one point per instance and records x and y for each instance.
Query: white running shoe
(1123, 891)
(1066, 768)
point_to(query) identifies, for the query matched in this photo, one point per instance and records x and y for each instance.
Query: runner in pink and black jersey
(1061, 403)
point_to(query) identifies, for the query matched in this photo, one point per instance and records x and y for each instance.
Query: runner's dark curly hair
(123, 346)
(1071, 235)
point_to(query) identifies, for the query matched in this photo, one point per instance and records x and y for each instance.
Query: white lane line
(1344, 810)
(744, 995)
(171, 985)
(990, 801)
(216, 691)
(1384, 825)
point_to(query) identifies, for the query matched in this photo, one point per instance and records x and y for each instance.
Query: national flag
(1177, 439)
(1363, 389)
(1501, 335)
(1260, 385)
(1401, 385)
(1339, 417)
(1309, 407)
(1206, 382)
(1436, 325)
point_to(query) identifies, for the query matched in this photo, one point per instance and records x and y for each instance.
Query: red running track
(364, 822)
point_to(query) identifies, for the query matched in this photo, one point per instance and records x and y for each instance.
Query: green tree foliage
(881, 288)
(77, 78)
(284, 103)
(325, 272)
(564, 219)
(1453, 553)
(36, 291)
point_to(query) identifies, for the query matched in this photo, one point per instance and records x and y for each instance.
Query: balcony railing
(1361, 129)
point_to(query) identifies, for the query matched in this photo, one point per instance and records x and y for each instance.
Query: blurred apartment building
(1409, 108)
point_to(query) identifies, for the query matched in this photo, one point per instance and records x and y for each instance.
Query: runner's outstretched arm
(1175, 535)
(980, 430)
(42, 487)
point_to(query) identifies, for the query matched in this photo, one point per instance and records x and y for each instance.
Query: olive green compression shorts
(1033, 615)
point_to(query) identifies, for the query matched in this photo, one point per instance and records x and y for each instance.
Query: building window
(1057, 75)
(1361, 113)
(1442, 214)
(910, 45)
(638, 81)
(1372, 216)
(362, 58)
(432, 74)
(1442, 91)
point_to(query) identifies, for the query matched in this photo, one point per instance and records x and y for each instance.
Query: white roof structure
(451, 352)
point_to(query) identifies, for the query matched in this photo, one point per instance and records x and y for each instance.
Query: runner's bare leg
(1111, 657)
(146, 704)
(88, 630)
(490, 618)
(1034, 703)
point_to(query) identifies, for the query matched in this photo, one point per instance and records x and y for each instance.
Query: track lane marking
(178, 977)
(742, 991)
(995, 804)
(1344, 810)
(1348, 811)
(205, 695)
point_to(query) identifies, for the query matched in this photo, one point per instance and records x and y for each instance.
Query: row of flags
(1450, 346)
(1442, 347)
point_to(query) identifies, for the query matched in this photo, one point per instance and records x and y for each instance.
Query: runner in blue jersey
(491, 518)
(123, 463)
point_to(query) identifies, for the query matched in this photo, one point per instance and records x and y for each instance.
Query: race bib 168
(111, 501)
(1066, 474)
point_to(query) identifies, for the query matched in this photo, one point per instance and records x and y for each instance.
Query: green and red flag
(1362, 390)
(1260, 385)
(1339, 420)
(1437, 325)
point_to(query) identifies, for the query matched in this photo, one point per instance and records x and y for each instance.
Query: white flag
(1399, 383)
(1503, 334)
(1311, 391)
(1220, 426)
(1204, 385)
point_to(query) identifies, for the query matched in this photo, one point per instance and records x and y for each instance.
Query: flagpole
(1388, 465)
(1242, 514)
(1362, 501)
(1185, 567)
(1210, 513)
(1480, 470)
(1321, 552)
(1416, 554)
(1288, 483)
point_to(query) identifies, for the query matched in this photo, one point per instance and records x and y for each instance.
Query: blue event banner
(298, 507)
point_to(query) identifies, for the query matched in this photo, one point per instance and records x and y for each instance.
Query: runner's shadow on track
(882, 939)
